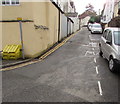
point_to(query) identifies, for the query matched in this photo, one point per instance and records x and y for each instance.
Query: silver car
(96, 28)
(110, 47)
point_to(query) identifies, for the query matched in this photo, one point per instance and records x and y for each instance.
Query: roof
(57, 6)
(87, 13)
(70, 20)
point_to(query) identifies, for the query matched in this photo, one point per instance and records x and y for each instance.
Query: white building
(108, 11)
(67, 6)
(116, 7)
(76, 23)
(84, 21)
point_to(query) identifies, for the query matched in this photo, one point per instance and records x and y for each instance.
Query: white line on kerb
(86, 53)
(95, 60)
(97, 70)
(100, 88)
(93, 53)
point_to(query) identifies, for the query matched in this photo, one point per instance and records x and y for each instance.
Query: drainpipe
(59, 26)
(67, 26)
(21, 39)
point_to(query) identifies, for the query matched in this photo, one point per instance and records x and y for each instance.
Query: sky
(81, 4)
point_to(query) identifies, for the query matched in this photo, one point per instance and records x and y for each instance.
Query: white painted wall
(76, 23)
(64, 5)
(85, 21)
(108, 12)
(63, 26)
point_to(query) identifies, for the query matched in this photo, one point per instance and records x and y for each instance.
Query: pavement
(73, 73)
(9, 63)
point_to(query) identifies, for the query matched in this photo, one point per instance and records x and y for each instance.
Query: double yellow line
(56, 47)
(42, 57)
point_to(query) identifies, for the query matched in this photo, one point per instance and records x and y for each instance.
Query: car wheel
(112, 65)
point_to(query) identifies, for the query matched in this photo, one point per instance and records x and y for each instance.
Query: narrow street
(73, 73)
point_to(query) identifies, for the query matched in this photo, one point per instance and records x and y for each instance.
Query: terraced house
(35, 25)
(111, 13)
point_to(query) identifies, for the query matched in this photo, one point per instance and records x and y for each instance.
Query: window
(9, 2)
(119, 5)
(117, 37)
(105, 34)
(109, 38)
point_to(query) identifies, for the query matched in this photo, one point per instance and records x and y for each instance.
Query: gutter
(57, 6)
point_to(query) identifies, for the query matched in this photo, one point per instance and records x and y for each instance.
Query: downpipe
(21, 39)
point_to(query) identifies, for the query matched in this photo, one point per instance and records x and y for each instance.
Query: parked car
(96, 28)
(89, 26)
(110, 47)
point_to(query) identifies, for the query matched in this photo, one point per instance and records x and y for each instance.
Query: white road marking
(95, 60)
(93, 49)
(85, 53)
(97, 70)
(93, 44)
(93, 53)
(100, 88)
(88, 53)
(85, 45)
(97, 53)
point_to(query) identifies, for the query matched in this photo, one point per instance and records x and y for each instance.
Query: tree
(94, 19)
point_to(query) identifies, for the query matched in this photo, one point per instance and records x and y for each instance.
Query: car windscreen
(117, 37)
(96, 26)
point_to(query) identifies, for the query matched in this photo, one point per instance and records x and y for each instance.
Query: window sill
(11, 5)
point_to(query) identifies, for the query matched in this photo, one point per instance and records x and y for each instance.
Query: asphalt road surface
(73, 73)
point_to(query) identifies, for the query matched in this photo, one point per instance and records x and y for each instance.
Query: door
(103, 41)
(108, 47)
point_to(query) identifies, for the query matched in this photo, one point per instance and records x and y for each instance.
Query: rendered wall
(0, 29)
(63, 26)
(35, 41)
(76, 23)
(85, 21)
(24, 10)
(116, 10)
(69, 27)
(72, 27)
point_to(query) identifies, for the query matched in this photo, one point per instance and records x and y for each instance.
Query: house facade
(85, 16)
(108, 11)
(43, 24)
(116, 7)
(39, 33)
(110, 14)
